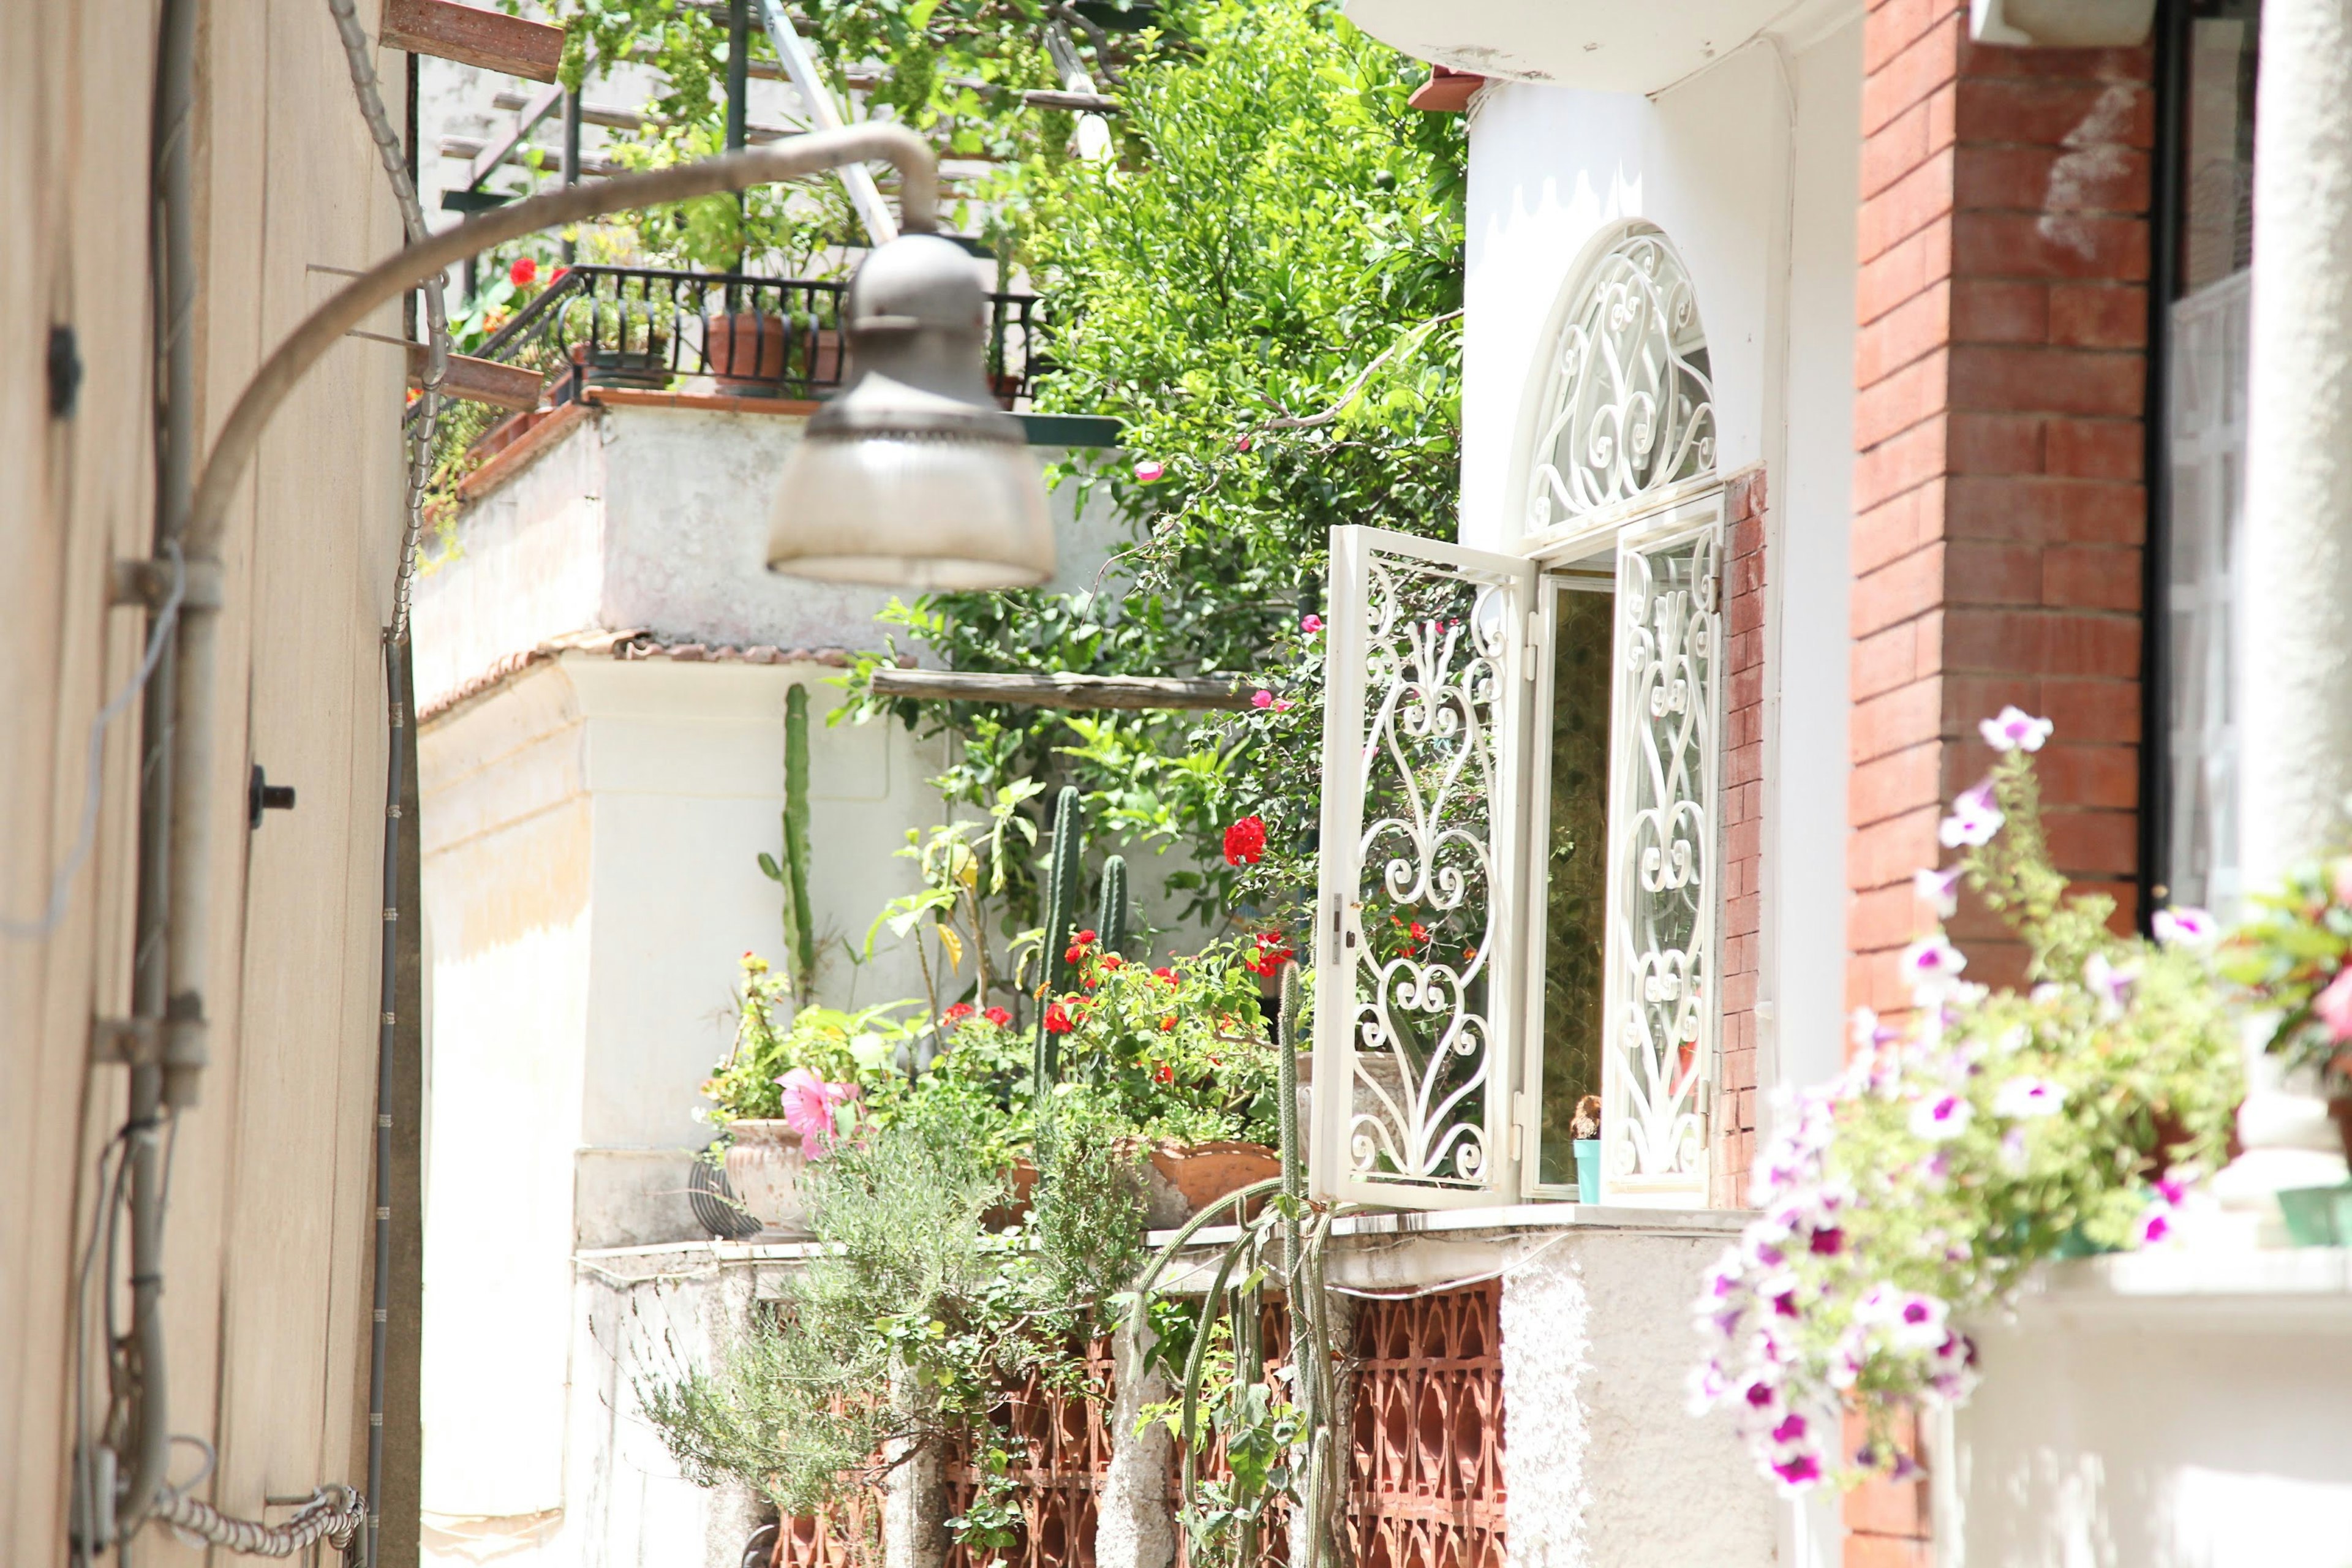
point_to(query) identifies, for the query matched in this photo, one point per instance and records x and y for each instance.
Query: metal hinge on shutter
(1533, 644)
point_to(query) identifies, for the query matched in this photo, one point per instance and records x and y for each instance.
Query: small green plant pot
(2319, 1216)
(1587, 1170)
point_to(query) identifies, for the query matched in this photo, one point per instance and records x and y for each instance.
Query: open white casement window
(1424, 725)
(1522, 836)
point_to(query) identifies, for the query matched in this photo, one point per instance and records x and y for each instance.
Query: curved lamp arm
(233, 449)
(189, 862)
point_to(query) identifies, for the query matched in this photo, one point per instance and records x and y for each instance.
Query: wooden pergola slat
(1076, 692)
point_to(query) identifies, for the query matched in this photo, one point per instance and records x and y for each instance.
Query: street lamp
(914, 475)
(919, 416)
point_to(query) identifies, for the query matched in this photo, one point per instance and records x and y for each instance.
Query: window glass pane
(1576, 870)
(2205, 438)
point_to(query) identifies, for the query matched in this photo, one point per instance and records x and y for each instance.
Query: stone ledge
(2290, 1290)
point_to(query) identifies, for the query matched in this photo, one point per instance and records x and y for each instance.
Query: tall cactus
(1061, 914)
(1111, 922)
(799, 917)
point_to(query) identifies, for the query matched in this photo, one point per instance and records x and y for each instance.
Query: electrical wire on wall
(394, 158)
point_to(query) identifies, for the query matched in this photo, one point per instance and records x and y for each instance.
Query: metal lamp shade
(913, 476)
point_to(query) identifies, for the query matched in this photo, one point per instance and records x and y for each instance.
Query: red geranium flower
(1245, 841)
(1058, 1020)
(523, 273)
(1111, 961)
(1167, 974)
(1162, 1073)
(998, 1017)
(1270, 955)
(957, 1014)
(1084, 937)
(1072, 954)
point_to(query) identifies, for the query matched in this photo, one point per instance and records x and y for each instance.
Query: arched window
(1522, 823)
(1628, 405)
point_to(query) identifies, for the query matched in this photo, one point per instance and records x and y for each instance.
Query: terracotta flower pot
(1023, 1179)
(763, 1166)
(1189, 1177)
(746, 350)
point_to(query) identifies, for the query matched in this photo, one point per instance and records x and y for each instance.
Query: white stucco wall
(1751, 169)
(590, 834)
(1602, 1467)
(2162, 1411)
(1554, 172)
(656, 519)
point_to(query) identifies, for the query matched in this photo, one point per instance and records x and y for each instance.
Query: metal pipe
(143, 1473)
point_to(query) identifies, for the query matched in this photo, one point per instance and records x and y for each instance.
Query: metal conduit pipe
(183, 811)
(174, 245)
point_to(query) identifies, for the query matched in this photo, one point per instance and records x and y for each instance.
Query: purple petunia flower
(1974, 820)
(2184, 927)
(1939, 890)
(2015, 730)
(1941, 1116)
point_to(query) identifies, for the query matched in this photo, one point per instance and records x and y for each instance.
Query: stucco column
(2296, 654)
(1135, 1527)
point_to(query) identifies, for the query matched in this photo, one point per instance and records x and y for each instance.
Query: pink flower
(2026, 1097)
(1262, 698)
(2111, 985)
(1931, 965)
(1974, 819)
(1939, 890)
(2015, 730)
(1799, 1471)
(2156, 1228)
(1150, 473)
(1941, 1117)
(1310, 624)
(998, 1017)
(809, 1103)
(2334, 1006)
(2179, 927)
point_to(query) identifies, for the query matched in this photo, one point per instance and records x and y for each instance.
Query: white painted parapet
(2166, 1409)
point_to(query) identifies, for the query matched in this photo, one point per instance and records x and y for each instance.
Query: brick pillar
(1743, 834)
(2000, 515)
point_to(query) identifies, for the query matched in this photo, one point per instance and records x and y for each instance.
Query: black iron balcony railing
(774, 337)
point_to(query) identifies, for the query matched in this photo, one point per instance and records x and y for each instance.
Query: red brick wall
(1999, 516)
(1743, 830)
(1999, 507)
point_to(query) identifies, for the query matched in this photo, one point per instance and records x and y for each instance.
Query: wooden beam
(472, 37)
(480, 380)
(1083, 692)
(541, 104)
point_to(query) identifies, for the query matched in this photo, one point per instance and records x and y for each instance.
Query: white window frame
(1593, 545)
(1341, 944)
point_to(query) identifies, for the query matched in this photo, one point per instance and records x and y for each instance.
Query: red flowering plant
(1179, 1051)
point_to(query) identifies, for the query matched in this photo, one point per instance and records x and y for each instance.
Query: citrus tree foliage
(1262, 290)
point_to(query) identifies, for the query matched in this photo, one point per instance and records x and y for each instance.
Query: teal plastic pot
(2319, 1216)
(1587, 1170)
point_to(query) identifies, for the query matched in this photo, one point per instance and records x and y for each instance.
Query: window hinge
(1534, 643)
